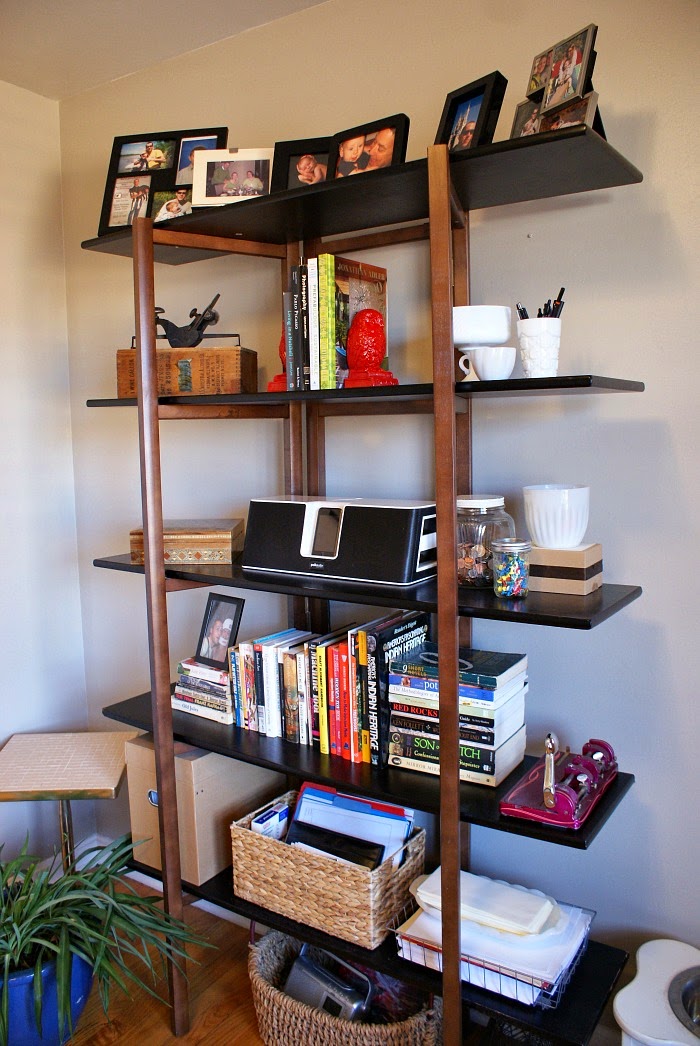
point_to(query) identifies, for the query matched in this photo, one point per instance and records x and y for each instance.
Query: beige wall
(628, 258)
(43, 682)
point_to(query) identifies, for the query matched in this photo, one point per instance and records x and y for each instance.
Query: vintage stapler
(562, 787)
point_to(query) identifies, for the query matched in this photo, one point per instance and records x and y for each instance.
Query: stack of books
(324, 295)
(325, 691)
(203, 691)
(491, 689)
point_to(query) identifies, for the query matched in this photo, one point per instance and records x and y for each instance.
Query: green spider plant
(90, 911)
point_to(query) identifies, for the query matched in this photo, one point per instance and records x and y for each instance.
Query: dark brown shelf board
(539, 608)
(566, 383)
(478, 804)
(572, 1022)
(542, 166)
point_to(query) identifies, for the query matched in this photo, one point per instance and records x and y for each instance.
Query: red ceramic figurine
(279, 382)
(366, 350)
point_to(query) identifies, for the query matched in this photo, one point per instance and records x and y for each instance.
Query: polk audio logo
(317, 566)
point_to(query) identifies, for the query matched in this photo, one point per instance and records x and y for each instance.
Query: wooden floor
(221, 1004)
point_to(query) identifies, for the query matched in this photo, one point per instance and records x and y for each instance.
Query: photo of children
(308, 169)
(171, 204)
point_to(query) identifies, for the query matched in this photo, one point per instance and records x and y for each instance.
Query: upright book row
(326, 691)
(325, 293)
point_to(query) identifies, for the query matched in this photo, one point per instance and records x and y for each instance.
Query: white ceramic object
(493, 362)
(539, 339)
(643, 1009)
(480, 325)
(556, 514)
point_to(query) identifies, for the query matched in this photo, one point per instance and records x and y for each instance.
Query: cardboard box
(193, 540)
(212, 791)
(193, 372)
(573, 571)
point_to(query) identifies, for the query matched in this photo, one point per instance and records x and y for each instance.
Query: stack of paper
(529, 966)
(491, 903)
(385, 824)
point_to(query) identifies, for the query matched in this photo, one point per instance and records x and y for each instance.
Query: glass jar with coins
(481, 519)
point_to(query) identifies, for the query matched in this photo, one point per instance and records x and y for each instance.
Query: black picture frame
(570, 74)
(222, 609)
(285, 173)
(374, 138)
(526, 120)
(478, 104)
(133, 179)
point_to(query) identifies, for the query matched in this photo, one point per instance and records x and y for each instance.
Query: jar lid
(510, 545)
(480, 501)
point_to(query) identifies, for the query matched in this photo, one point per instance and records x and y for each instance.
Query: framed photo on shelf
(581, 111)
(299, 163)
(539, 74)
(571, 69)
(470, 113)
(368, 147)
(142, 165)
(230, 175)
(526, 120)
(171, 203)
(222, 618)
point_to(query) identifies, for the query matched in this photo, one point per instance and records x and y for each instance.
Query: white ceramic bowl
(493, 362)
(480, 325)
(556, 514)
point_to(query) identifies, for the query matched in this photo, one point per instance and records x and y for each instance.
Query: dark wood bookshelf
(541, 166)
(539, 608)
(572, 1021)
(397, 394)
(478, 803)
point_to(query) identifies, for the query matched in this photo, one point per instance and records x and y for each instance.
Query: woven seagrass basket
(283, 1021)
(348, 901)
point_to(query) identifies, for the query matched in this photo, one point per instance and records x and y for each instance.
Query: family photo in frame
(226, 176)
(570, 70)
(369, 146)
(222, 618)
(147, 171)
(470, 113)
(300, 163)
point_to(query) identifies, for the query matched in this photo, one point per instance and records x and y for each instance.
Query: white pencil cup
(539, 339)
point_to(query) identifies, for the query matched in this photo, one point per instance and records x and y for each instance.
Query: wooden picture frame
(222, 618)
(136, 172)
(470, 113)
(300, 163)
(580, 111)
(230, 175)
(526, 120)
(368, 147)
(571, 69)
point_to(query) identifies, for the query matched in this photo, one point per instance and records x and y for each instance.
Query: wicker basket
(283, 1020)
(348, 901)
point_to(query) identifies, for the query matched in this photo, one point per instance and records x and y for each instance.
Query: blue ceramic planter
(23, 1029)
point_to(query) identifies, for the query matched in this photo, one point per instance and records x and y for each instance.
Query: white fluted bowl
(556, 514)
(480, 325)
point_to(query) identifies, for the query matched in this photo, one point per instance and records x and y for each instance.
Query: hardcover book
(193, 371)
(394, 640)
(409, 718)
(354, 286)
(470, 715)
(513, 754)
(418, 688)
(193, 541)
(484, 668)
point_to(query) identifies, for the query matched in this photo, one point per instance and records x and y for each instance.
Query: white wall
(43, 679)
(628, 258)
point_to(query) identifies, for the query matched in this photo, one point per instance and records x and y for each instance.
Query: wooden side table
(89, 765)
